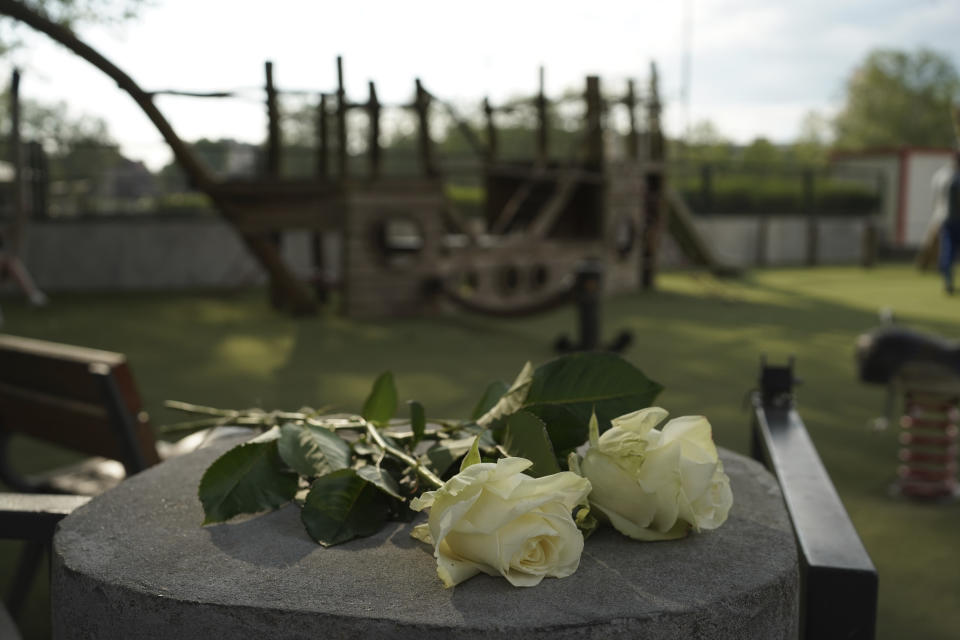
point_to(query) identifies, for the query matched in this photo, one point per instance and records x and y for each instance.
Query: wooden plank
(47, 391)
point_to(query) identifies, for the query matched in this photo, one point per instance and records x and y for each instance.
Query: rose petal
(452, 569)
(421, 532)
(641, 421)
(616, 491)
(694, 434)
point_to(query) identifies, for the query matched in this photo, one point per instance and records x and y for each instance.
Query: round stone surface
(136, 563)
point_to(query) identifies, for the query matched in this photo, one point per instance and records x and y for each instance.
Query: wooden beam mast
(341, 122)
(273, 125)
(373, 112)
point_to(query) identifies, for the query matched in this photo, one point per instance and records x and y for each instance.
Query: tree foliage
(897, 98)
(70, 13)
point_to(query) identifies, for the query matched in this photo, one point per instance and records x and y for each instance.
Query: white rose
(655, 484)
(495, 519)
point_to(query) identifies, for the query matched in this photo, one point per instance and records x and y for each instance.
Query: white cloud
(757, 66)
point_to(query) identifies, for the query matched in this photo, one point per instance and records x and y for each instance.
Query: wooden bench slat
(49, 391)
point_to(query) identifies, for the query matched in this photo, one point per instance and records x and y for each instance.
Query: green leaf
(511, 401)
(585, 382)
(248, 478)
(473, 456)
(443, 454)
(381, 404)
(418, 421)
(342, 506)
(380, 479)
(565, 428)
(526, 437)
(311, 450)
(491, 395)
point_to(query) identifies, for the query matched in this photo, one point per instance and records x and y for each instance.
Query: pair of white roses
(650, 484)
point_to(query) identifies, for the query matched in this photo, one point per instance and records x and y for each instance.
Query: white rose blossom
(492, 518)
(654, 484)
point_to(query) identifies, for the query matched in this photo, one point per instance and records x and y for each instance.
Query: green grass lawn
(700, 337)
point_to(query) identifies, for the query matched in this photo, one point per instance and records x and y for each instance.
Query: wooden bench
(81, 399)
(838, 582)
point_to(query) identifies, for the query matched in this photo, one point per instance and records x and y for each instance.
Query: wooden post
(422, 106)
(323, 139)
(633, 148)
(813, 223)
(16, 158)
(273, 126)
(491, 131)
(542, 122)
(654, 188)
(341, 122)
(373, 110)
(39, 179)
(706, 187)
(594, 118)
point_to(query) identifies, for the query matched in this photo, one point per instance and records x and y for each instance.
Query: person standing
(949, 192)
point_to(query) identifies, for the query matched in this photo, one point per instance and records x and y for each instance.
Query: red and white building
(907, 203)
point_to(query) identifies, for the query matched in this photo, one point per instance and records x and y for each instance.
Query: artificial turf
(700, 337)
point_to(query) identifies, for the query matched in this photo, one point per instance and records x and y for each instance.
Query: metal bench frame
(838, 582)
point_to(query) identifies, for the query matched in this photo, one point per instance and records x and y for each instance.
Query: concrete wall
(144, 253)
(735, 240)
(138, 253)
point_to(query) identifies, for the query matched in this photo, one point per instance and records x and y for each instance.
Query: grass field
(700, 337)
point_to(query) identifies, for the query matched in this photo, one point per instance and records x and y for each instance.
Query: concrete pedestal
(135, 563)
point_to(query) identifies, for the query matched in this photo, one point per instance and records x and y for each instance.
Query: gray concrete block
(135, 562)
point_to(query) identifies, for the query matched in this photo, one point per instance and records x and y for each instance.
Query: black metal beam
(30, 516)
(838, 597)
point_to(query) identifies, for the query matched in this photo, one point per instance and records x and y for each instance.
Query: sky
(753, 67)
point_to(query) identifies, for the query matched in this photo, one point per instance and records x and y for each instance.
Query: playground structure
(404, 248)
(923, 370)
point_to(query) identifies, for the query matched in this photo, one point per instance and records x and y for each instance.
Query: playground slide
(680, 225)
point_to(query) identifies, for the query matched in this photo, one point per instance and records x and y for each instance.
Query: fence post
(373, 108)
(706, 187)
(491, 131)
(594, 124)
(813, 224)
(763, 233)
(323, 139)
